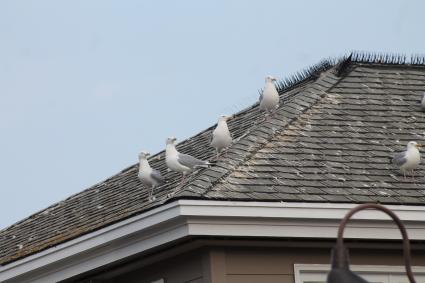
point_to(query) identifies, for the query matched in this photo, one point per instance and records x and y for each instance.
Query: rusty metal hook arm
(406, 243)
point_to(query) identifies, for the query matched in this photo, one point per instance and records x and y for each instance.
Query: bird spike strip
(378, 58)
(310, 73)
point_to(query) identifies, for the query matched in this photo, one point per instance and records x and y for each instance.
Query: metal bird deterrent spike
(340, 270)
(380, 58)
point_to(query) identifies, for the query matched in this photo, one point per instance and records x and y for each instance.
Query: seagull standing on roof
(221, 137)
(408, 160)
(181, 162)
(147, 175)
(269, 98)
(423, 102)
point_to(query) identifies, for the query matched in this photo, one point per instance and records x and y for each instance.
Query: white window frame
(301, 270)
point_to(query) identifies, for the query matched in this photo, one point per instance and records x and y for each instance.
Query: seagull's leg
(274, 112)
(151, 196)
(183, 180)
(218, 153)
(413, 175)
(404, 173)
(225, 151)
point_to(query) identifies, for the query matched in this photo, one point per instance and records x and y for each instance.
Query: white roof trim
(201, 217)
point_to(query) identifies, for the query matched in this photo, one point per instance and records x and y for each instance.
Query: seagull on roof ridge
(408, 160)
(221, 137)
(147, 175)
(180, 162)
(423, 102)
(269, 98)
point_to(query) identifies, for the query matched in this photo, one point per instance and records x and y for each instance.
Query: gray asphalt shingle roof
(331, 141)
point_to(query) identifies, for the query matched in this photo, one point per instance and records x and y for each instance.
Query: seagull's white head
(270, 79)
(170, 140)
(413, 144)
(224, 118)
(144, 155)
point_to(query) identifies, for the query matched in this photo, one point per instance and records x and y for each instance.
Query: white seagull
(423, 102)
(180, 162)
(269, 98)
(221, 137)
(147, 175)
(408, 160)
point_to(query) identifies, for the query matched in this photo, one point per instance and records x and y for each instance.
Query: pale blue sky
(86, 85)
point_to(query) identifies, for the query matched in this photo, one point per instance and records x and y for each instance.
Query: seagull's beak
(274, 79)
(148, 154)
(418, 145)
(173, 139)
(228, 118)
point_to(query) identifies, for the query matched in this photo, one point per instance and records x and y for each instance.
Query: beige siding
(276, 264)
(235, 262)
(180, 269)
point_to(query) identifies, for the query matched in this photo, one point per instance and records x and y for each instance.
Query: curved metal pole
(406, 243)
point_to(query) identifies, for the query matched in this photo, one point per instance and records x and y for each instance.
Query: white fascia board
(298, 220)
(206, 218)
(294, 210)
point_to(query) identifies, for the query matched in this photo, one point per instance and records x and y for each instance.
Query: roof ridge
(307, 74)
(315, 92)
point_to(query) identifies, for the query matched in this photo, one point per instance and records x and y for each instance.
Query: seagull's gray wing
(399, 158)
(190, 161)
(156, 175)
